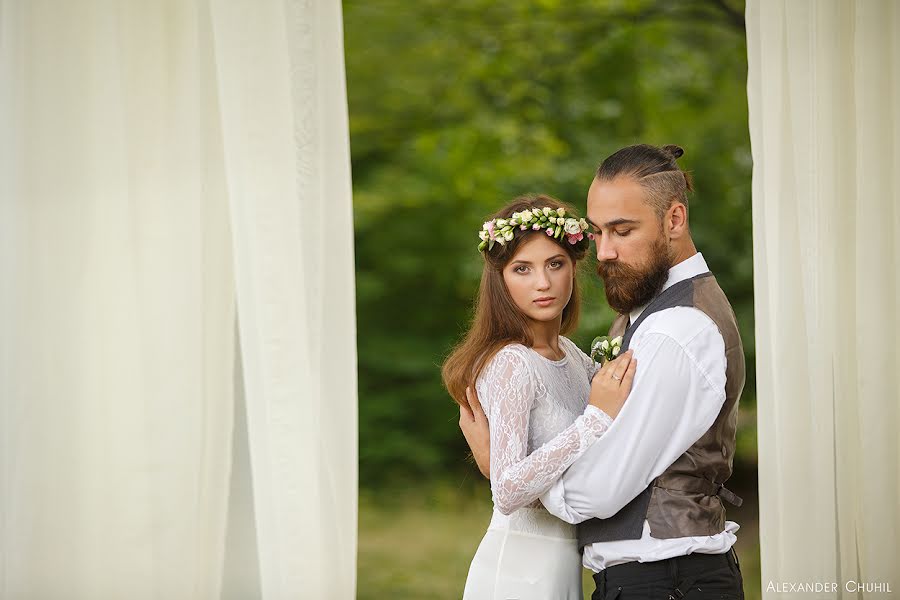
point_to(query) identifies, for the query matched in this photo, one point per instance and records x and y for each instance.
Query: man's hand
(474, 425)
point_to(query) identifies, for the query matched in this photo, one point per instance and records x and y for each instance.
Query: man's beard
(628, 287)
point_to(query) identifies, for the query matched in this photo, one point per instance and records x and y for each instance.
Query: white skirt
(527, 555)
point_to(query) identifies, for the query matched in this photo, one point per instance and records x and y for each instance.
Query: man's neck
(684, 251)
(672, 279)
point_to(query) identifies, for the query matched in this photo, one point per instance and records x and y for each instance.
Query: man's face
(634, 254)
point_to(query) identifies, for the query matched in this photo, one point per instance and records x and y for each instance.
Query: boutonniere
(604, 349)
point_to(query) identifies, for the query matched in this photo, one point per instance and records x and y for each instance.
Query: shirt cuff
(604, 418)
(554, 500)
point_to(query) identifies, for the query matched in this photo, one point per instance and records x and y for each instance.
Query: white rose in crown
(572, 226)
(604, 349)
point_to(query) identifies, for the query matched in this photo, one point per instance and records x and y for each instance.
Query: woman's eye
(624, 233)
(521, 269)
(556, 264)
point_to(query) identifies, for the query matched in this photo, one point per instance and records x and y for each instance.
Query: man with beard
(648, 495)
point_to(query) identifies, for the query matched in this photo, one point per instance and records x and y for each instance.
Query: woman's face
(539, 278)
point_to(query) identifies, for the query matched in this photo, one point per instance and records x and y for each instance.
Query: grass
(417, 542)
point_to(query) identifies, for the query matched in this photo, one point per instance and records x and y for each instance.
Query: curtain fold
(116, 409)
(824, 100)
(168, 170)
(285, 136)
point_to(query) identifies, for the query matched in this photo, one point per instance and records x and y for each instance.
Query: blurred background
(483, 101)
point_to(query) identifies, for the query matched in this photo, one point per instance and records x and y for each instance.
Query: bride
(545, 400)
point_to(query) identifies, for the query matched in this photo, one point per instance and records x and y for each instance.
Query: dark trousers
(695, 576)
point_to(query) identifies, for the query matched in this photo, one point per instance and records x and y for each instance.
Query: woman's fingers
(465, 412)
(474, 403)
(628, 376)
(622, 366)
(616, 367)
(465, 415)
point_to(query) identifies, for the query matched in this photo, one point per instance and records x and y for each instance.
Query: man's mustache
(616, 269)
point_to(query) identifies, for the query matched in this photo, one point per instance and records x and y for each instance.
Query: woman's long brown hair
(497, 320)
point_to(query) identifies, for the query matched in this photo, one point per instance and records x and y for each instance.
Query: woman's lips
(544, 301)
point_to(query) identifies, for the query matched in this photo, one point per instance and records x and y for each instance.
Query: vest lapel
(618, 326)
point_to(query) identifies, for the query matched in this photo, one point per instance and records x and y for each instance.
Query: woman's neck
(546, 338)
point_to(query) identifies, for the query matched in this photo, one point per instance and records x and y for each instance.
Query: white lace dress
(540, 423)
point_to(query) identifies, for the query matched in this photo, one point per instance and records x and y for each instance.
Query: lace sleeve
(507, 393)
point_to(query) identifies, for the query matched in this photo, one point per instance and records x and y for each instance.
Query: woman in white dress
(534, 386)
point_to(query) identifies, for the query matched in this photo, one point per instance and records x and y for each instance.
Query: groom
(648, 495)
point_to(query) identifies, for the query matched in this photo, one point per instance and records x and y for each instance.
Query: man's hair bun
(675, 151)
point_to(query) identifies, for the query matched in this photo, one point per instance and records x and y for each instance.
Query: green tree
(456, 108)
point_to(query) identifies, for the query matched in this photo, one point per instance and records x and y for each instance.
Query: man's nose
(605, 249)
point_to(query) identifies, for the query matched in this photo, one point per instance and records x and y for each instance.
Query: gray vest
(686, 499)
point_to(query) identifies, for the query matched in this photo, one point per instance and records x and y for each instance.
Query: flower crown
(551, 220)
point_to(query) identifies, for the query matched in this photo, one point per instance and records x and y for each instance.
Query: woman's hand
(612, 384)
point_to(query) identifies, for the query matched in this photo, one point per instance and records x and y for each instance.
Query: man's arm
(674, 401)
(474, 425)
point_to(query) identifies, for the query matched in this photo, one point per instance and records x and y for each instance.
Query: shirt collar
(689, 267)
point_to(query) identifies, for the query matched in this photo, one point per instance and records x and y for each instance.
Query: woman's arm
(508, 393)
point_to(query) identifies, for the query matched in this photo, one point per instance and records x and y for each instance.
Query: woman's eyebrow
(528, 262)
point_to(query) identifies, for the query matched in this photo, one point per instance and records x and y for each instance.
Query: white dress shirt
(677, 393)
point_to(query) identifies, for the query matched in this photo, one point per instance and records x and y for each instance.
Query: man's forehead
(611, 213)
(615, 202)
(622, 189)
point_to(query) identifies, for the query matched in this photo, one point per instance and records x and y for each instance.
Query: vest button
(724, 450)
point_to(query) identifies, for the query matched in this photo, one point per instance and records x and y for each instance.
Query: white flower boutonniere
(604, 349)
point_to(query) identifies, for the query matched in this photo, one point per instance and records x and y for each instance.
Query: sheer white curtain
(177, 401)
(286, 147)
(824, 96)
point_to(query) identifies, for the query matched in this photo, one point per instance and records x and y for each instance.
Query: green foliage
(455, 108)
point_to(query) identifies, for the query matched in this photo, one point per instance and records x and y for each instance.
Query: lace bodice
(538, 422)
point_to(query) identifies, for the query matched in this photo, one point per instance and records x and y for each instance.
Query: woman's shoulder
(571, 345)
(576, 351)
(513, 358)
(513, 352)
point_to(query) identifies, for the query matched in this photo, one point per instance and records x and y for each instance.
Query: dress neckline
(558, 362)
